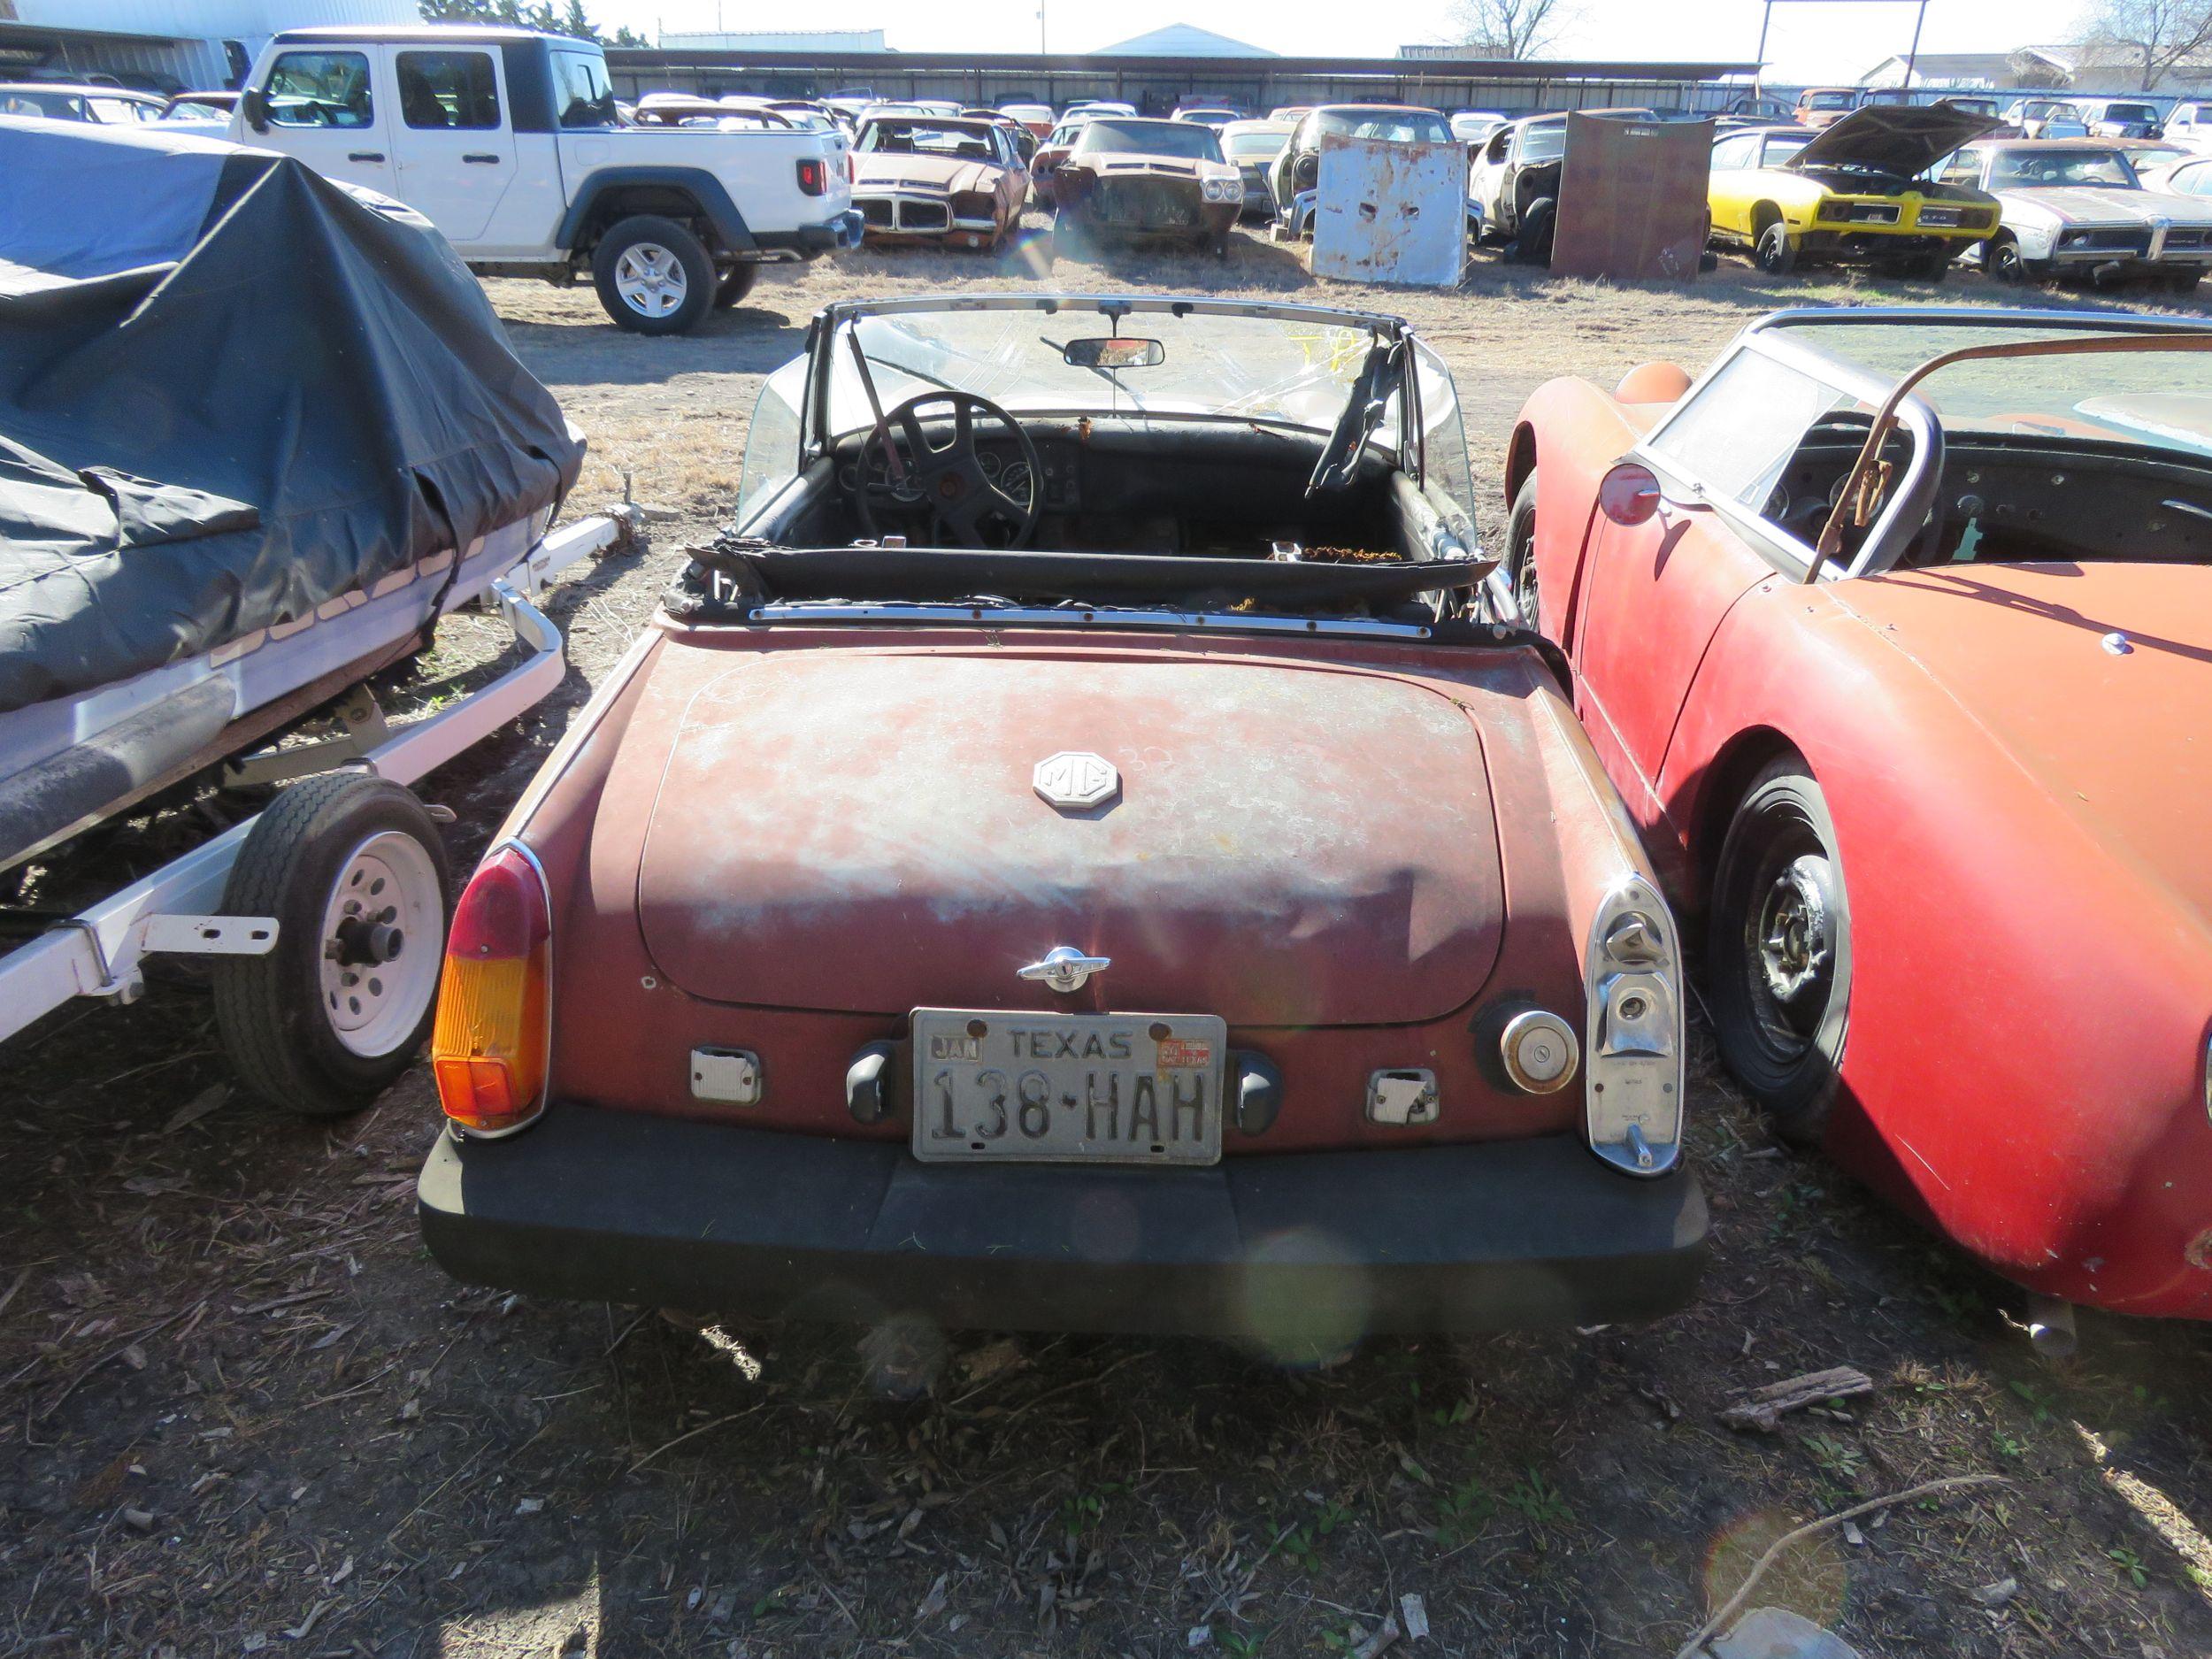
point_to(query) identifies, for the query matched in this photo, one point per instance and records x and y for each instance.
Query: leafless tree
(1509, 28)
(2156, 34)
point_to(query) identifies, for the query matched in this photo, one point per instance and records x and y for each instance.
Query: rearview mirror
(255, 104)
(1102, 352)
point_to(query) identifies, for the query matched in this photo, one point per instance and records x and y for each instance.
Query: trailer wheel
(353, 870)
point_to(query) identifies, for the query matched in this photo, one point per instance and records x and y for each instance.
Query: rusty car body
(1127, 179)
(1903, 679)
(1297, 166)
(936, 179)
(1068, 859)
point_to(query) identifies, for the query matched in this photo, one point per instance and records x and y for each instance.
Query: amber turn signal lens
(488, 1049)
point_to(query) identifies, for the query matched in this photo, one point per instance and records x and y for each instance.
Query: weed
(2008, 1445)
(1462, 1513)
(2039, 1401)
(1237, 1645)
(1837, 1457)
(2131, 1566)
(1540, 1504)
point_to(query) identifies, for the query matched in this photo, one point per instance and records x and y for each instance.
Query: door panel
(324, 109)
(456, 152)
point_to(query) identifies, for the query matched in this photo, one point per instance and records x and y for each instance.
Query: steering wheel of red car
(944, 491)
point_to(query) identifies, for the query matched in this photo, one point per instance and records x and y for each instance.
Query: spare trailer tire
(353, 870)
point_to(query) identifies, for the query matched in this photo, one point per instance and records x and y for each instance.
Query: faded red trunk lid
(856, 829)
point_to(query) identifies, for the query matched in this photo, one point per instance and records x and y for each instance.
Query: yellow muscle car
(1853, 192)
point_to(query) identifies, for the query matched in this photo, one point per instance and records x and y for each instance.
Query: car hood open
(857, 828)
(2112, 736)
(1899, 139)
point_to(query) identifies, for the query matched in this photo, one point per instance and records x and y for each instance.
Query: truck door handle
(493, 160)
(365, 155)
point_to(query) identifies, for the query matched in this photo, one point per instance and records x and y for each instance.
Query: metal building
(163, 45)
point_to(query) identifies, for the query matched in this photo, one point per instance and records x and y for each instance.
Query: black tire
(1777, 947)
(1932, 268)
(1774, 253)
(2002, 260)
(733, 285)
(649, 230)
(2183, 281)
(1520, 554)
(1532, 243)
(271, 1010)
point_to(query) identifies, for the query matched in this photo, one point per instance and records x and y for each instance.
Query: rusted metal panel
(1632, 198)
(1391, 212)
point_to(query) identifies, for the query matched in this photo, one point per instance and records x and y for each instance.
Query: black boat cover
(230, 391)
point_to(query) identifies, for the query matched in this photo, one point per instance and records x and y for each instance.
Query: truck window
(582, 90)
(320, 89)
(448, 89)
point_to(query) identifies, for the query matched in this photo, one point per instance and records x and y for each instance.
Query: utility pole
(1913, 56)
(1759, 58)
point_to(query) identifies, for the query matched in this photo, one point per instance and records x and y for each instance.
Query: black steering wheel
(944, 492)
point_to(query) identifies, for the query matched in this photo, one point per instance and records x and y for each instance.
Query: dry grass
(236, 1403)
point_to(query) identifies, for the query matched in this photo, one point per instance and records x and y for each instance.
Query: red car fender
(2072, 1149)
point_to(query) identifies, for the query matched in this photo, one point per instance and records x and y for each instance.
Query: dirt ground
(241, 1411)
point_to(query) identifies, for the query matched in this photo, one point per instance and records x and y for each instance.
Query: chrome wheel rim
(1524, 592)
(382, 929)
(650, 280)
(1790, 941)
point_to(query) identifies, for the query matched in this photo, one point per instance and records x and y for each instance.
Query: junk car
(2046, 118)
(1893, 630)
(930, 178)
(1514, 181)
(1851, 193)
(1251, 147)
(1298, 165)
(2075, 206)
(1128, 179)
(1068, 859)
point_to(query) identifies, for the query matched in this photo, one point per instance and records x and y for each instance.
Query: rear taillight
(813, 177)
(488, 1049)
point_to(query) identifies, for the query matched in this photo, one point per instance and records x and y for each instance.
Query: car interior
(2039, 495)
(1226, 489)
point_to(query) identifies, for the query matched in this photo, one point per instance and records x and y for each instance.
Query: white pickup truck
(509, 141)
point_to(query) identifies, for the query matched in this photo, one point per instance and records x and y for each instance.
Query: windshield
(1397, 127)
(1777, 150)
(2129, 112)
(1256, 146)
(1546, 143)
(970, 140)
(1262, 368)
(1183, 139)
(2031, 169)
(1829, 100)
(2149, 398)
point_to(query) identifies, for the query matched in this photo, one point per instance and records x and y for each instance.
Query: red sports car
(1072, 860)
(1895, 630)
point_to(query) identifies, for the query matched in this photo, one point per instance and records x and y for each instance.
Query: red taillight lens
(813, 178)
(488, 1049)
(1628, 495)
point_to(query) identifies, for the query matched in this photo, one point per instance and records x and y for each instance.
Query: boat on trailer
(226, 504)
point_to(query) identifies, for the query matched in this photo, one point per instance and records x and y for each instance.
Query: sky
(1810, 41)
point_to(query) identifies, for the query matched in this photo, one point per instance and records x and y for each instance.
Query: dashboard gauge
(989, 462)
(1018, 482)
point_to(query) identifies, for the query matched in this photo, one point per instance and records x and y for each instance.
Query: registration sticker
(1184, 1053)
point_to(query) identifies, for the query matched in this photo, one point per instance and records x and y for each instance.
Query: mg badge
(1077, 779)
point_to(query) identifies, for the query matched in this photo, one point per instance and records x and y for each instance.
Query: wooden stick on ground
(1735, 1604)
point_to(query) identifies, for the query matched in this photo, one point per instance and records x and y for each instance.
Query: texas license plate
(1105, 1088)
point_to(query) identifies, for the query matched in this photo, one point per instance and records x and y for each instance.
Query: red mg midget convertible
(1074, 862)
(1895, 630)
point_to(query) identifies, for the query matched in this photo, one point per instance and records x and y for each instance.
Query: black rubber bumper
(1289, 1250)
(809, 240)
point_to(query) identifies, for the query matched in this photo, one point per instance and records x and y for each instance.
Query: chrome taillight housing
(1632, 1044)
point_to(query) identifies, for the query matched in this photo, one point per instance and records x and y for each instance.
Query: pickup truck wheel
(654, 276)
(354, 872)
(1778, 948)
(731, 287)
